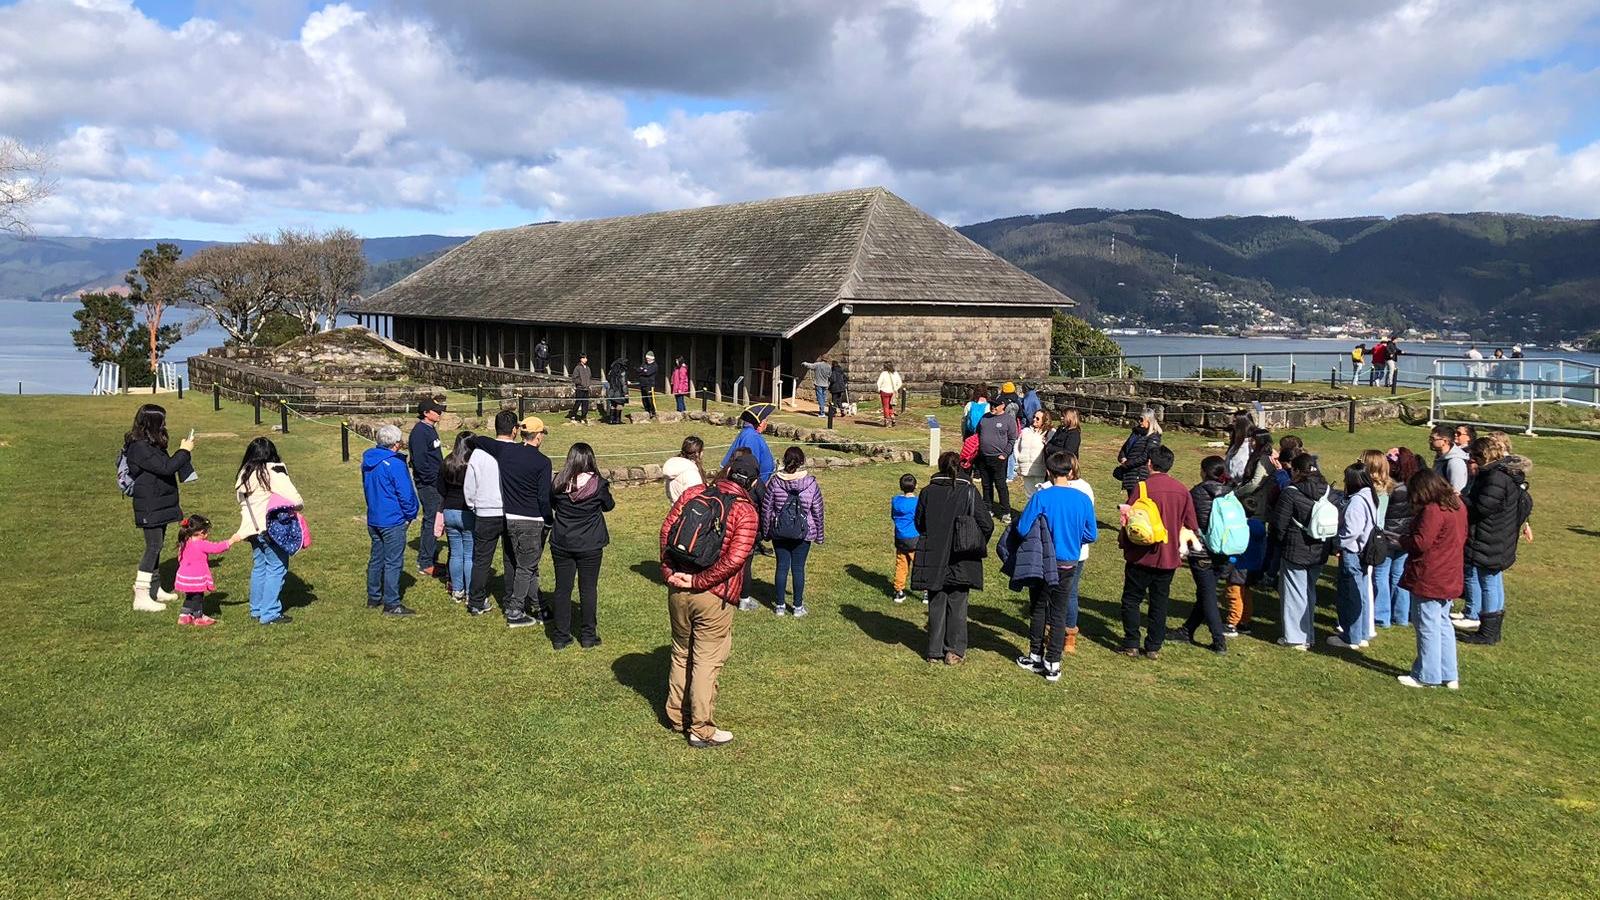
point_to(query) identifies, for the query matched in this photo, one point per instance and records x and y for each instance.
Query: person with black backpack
(792, 518)
(705, 540)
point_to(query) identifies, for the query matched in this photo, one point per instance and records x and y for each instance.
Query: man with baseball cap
(525, 495)
(426, 457)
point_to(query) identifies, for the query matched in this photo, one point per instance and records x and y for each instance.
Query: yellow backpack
(1144, 521)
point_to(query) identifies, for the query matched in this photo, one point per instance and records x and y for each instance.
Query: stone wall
(927, 345)
(240, 381)
(1193, 407)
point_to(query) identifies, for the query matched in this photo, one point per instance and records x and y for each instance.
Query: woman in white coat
(1030, 453)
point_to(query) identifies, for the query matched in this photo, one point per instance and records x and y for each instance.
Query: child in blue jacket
(903, 510)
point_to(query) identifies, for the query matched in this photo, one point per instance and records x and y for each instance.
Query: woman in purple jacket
(792, 517)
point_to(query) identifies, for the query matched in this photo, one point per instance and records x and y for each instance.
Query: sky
(218, 119)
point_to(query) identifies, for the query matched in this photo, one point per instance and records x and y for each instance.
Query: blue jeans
(430, 500)
(1391, 603)
(683, 402)
(791, 558)
(822, 399)
(267, 572)
(458, 525)
(1485, 590)
(1297, 585)
(1355, 598)
(383, 565)
(1436, 643)
(1072, 593)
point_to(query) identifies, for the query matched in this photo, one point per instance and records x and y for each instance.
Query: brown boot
(1072, 641)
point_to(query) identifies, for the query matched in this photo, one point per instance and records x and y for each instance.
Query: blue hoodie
(749, 437)
(391, 499)
(1070, 514)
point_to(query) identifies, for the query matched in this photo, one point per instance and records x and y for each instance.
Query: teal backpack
(1228, 532)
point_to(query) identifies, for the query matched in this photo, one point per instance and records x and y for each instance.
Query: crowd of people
(1410, 538)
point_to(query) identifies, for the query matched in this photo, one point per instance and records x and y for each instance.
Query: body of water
(36, 347)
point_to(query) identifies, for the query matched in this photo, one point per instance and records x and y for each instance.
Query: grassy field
(348, 755)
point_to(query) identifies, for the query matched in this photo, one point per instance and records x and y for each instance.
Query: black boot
(1488, 630)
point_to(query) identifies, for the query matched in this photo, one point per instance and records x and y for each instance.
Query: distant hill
(1492, 273)
(48, 268)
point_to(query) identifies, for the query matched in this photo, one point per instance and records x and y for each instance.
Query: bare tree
(328, 267)
(152, 284)
(239, 284)
(24, 181)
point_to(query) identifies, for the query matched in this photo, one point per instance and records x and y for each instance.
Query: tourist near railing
(1482, 386)
(1332, 367)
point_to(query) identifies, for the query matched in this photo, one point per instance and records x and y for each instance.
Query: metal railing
(1569, 407)
(1332, 366)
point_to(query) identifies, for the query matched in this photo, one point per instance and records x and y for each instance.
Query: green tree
(1076, 347)
(107, 333)
(152, 284)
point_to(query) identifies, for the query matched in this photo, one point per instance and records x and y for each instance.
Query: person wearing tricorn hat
(426, 458)
(753, 421)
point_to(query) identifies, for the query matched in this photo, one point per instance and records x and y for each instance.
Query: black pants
(1207, 573)
(194, 603)
(486, 533)
(586, 568)
(429, 499)
(613, 412)
(1048, 603)
(647, 396)
(1139, 582)
(153, 539)
(993, 472)
(580, 405)
(947, 623)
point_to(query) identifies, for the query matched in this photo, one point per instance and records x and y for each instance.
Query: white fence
(1515, 394)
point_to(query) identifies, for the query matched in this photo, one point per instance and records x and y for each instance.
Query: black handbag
(967, 537)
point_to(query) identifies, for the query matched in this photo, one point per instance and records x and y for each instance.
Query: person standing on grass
(821, 379)
(680, 384)
(683, 471)
(1391, 603)
(261, 487)
(1361, 516)
(1133, 460)
(391, 505)
(838, 385)
(1356, 357)
(1380, 363)
(1067, 436)
(1207, 567)
(427, 455)
(1238, 454)
(1054, 607)
(1435, 559)
(1031, 404)
(889, 386)
(616, 390)
(579, 501)
(483, 496)
(997, 441)
(525, 475)
(977, 407)
(903, 513)
(1148, 568)
(1392, 362)
(792, 518)
(700, 603)
(949, 508)
(155, 476)
(1301, 558)
(1498, 507)
(195, 548)
(459, 520)
(1031, 453)
(1449, 460)
(647, 383)
(582, 381)
(752, 424)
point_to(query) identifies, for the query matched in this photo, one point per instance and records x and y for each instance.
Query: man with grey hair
(391, 505)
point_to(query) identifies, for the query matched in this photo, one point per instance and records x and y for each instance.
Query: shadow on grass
(1585, 532)
(646, 675)
(297, 591)
(878, 581)
(649, 570)
(887, 629)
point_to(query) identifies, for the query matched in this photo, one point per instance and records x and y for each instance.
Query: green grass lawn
(348, 755)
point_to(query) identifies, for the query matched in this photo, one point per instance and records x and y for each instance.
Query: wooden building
(742, 291)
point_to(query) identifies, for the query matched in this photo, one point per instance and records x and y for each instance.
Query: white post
(933, 441)
(1202, 369)
(1531, 401)
(1244, 366)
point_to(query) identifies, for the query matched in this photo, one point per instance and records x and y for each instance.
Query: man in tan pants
(701, 603)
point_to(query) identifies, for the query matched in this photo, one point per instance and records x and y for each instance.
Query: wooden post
(1291, 372)
(344, 441)
(480, 401)
(1352, 415)
(522, 407)
(216, 396)
(258, 407)
(180, 388)
(283, 417)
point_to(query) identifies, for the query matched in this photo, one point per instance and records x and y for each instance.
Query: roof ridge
(852, 272)
(876, 190)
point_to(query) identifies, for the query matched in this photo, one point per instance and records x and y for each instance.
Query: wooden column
(777, 373)
(719, 368)
(694, 341)
(749, 357)
(566, 352)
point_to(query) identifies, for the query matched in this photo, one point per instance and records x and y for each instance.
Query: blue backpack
(1228, 531)
(283, 530)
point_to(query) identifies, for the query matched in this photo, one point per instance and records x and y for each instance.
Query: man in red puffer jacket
(701, 606)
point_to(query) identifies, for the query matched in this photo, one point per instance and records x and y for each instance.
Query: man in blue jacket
(391, 505)
(426, 458)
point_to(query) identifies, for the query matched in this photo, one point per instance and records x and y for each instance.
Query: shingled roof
(766, 268)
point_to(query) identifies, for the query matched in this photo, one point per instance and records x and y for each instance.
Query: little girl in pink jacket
(194, 569)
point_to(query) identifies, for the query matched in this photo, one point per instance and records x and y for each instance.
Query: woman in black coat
(946, 575)
(579, 501)
(1068, 436)
(616, 390)
(1498, 505)
(1133, 460)
(155, 477)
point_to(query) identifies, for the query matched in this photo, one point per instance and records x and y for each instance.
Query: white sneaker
(1031, 663)
(1456, 615)
(1284, 642)
(1466, 624)
(1364, 644)
(747, 603)
(780, 611)
(1453, 685)
(1052, 671)
(1408, 681)
(718, 738)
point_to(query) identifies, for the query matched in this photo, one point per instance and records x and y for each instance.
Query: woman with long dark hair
(792, 517)
(458, 519)
(155, 475)
(1391, 603)
(1238, 455)
(1302, 556)
(263, 485)
(943, 567)
(684, 471)
(1361, 516)
(1067, 437)
(616, 391)
(1498, 506)
(579, 501)
(1436, 557)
